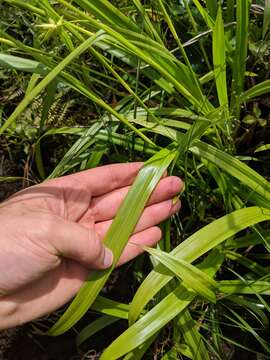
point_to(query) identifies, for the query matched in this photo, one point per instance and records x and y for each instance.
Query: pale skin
(51, 236)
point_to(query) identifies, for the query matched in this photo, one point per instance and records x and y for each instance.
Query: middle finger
(106, 206)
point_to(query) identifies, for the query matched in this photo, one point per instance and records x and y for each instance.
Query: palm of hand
(52, 235)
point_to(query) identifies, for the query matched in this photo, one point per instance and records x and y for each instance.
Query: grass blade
(247, 287)
(149, 324)
(192, 277)
(212, 6)
(117, 237)
(192, 248)
(263, 148)
(181, 48)
(108, 13)
(266, 18)
(96, 326)
(239, 61)
(111, 307)
(207, 18)
(191, 335)
(219, 59)
(69, 159)
(160, 315)
(256, 91)
(22, 64)
(235, 168)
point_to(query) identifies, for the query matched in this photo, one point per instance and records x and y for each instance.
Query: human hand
(51, 235)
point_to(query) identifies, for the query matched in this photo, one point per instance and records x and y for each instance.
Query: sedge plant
(179, 74)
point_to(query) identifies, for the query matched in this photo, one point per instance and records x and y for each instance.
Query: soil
(20, 344)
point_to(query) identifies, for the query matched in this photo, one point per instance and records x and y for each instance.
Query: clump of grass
(185, 104)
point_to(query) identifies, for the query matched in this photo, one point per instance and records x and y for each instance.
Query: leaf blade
(219, 59)
(192, 277)
(117, 237)
(192, 248)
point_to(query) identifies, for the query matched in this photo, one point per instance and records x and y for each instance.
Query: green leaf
(138, 352)
(192, 248)
(70, 159)
(158, 57)
(182, 349)
(117, 237)
(252, 307)
(110, 307)
(46, 106)
(192, 337)
(263, 148)
(192, 277)
(234, 167)
(148, 325)
(244, 287)
(246, 262)
(26, 5)
(148, 25)
(172, 305)
(10, 178)
(212, 6)
(219, 59)
(192, 74)
(108, 13)
(207, 18)
(22, 64)
(240, 55)
(248, 328)
(266, 18)
(94, 327)
(248, 240)
(256, 91)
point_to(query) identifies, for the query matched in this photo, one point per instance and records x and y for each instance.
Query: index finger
(104, 179)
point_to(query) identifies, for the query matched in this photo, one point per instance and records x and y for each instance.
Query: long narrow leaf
(212, 6)
(255, 91)
(234, 167)
(110, 307)
(220, 60)
(239, 61)
(266, 18)
(192, 337)
(161, 314)
(196, 245)
(192, 277)
(94, 327)
(247, 287)
(117, 237)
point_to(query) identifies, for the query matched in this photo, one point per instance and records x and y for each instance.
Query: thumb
(81, 244)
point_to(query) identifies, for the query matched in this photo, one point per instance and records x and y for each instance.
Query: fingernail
(108, 258)
(176, 205)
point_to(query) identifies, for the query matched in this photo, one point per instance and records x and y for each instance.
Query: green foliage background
(185, 86)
